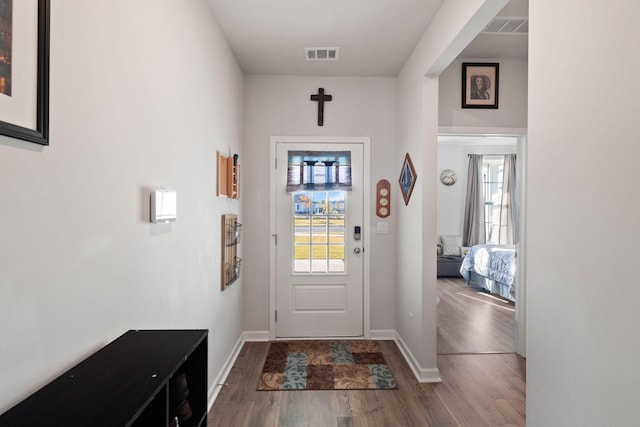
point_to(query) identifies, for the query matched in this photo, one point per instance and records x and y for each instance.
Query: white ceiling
(496, 46)
(375, 37)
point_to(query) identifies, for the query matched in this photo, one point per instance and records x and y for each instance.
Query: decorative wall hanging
(228, 176)
(407, 179)
(319, 170)
(231, 236)
(24, 51)
(321, 98)
(383, 198)
(480, 84)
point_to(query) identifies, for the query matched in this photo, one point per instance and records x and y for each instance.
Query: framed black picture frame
(407, 179)
(480, 84)
(38, 132)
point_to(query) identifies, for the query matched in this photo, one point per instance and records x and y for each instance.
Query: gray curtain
(474, 227)
(509, 214)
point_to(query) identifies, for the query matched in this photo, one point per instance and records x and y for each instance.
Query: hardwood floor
(476, 389)
(470, 321)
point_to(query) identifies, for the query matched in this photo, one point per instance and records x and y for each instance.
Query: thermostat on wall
(163, 206)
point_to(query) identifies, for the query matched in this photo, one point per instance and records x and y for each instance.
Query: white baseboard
(247, 336)
(218, 383)
(383, 334)
(422, 375)
(256, 336)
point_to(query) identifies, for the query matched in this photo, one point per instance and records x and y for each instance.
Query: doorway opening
(469, 320)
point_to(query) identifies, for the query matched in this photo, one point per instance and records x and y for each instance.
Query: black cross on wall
(321, 98)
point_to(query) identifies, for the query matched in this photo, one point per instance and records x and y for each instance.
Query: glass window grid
(493, 178)
(322, 248)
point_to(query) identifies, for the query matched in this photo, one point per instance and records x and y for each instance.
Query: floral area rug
(325, 365)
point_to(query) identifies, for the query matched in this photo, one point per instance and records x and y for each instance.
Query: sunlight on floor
(487, 302)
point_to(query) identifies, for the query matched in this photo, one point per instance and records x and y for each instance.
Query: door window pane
(319, 261)
(336, 202)
(319, 232)
(319, 202)
(319, 229)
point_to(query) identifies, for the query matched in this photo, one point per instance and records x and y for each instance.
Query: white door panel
(319, 262)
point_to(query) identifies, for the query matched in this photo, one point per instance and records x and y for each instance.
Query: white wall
(512, 97)
(280, 106)
(142, 95)
(583, 214)
(453, 153)
(454, 26)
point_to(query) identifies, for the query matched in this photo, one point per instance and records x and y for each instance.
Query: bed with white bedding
(491, 268)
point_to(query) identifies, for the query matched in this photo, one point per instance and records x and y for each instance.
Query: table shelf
(126, 383)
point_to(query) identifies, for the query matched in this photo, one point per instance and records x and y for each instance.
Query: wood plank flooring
(476, 390)
(470, 321)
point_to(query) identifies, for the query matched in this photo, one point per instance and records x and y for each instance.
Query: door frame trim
(366, 212)
(520, 344)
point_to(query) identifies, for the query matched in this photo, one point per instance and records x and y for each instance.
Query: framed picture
(407, 179)
(24, 70)
(480, 84)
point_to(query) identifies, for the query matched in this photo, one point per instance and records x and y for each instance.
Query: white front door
(319, 254)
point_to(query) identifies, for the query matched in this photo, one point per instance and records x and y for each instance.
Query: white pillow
(451, 245)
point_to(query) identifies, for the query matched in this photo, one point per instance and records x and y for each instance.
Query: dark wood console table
(126, 383)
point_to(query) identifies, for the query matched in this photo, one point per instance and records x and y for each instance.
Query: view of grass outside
(319, 238)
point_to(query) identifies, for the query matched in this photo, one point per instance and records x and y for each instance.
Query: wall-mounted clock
(448, 177)
(383, 198)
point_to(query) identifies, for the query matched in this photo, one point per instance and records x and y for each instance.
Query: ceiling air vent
(507, 25)
(321, 53)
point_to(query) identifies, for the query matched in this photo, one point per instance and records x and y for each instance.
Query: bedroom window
(493, 179)
(491, 215)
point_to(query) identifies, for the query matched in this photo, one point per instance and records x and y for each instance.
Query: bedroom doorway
(457, 300)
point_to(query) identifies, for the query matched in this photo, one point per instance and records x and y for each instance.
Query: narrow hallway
(480, 389)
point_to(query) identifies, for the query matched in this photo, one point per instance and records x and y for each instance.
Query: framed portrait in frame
(24, 70)
(480, 83)
(407, 179)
